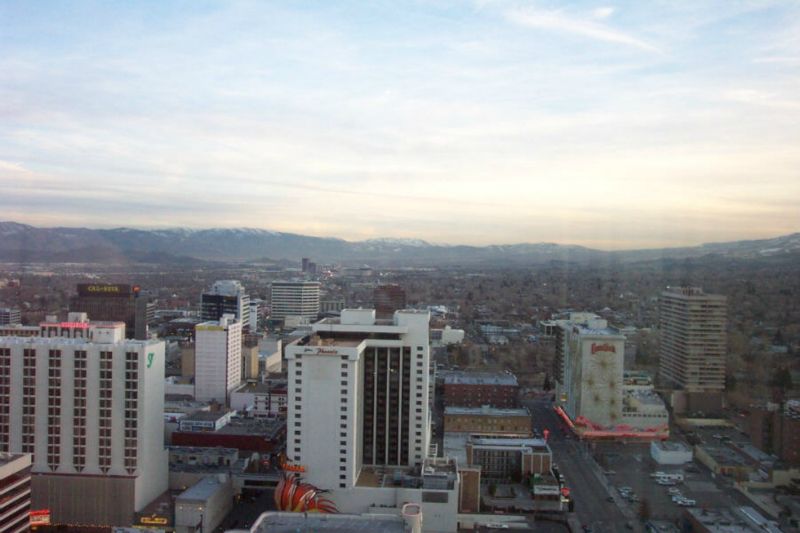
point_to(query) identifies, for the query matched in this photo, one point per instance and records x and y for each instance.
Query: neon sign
(40, 517)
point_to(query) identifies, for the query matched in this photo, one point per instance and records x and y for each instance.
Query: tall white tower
(218, 359)
(359, 395)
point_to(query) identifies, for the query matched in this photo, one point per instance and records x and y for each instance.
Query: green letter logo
(150, 357)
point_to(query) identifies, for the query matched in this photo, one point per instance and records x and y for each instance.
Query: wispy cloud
(559, 21)
(603, 12)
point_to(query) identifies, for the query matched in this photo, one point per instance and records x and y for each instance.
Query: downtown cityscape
(406, 267)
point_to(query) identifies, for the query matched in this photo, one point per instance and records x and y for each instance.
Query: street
(589, 493)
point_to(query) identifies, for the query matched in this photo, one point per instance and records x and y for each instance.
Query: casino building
(87, 405)
(115, 303)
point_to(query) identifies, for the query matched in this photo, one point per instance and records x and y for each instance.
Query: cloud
(603, 12)
(558, 21)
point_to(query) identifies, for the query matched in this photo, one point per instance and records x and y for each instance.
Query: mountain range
(21, 243)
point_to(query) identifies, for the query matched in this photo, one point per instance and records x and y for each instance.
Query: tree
(782, 379)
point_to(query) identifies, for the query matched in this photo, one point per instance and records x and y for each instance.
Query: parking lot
(630, 466)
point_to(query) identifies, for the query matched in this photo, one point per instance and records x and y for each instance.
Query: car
(610, 499)
(496, 526)
(673, 490)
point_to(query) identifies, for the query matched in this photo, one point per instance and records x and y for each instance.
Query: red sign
(40, 517)
(607, 347)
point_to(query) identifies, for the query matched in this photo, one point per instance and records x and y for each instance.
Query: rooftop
(65, 341)
(205, 416)
(256, 387)
(506, 441)
(277, 522)
(200, 491)
(268, 427)
(486, 410)
(670, 445)
(461, 377)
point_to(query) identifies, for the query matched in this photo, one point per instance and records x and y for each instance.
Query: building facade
(116, 303)
(474, 389)
(388, 298)
(10, 316)
(295, 298)
(367, 383)
(90, 412)
(226, 297)
(218, 359)
(693, 339)
(487, 419)
(593, 385)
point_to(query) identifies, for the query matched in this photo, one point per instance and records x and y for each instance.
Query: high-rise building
(255, 311)
(15, 492)
(226, 297)
(217, 360)
(359, 395)
(10, 316)
(116, 302)
(90, 410)
(388, 299)
(594, 374)
(693, 339)
(295, 298)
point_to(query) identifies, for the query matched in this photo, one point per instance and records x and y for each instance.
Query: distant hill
(24, 243)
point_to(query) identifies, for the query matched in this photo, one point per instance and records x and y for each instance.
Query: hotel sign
(106, 290)
(605, 347)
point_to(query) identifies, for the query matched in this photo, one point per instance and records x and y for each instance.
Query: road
(589, 493)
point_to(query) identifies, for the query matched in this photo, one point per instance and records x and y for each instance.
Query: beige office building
(693, 339)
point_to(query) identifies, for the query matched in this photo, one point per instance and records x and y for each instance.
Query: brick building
(487, 419)
(474, 389)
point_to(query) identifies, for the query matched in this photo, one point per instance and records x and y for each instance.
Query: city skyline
(609, 125)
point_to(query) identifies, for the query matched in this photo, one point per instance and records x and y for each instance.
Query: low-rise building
(670, 452)
(245, 434)
(205, 421)
(203, 506)
(261, 400)
(487, 419)
(474, 389)
(284, 522)
(508, 457)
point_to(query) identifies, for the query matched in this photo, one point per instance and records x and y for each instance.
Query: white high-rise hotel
(218, 358)
(89, 407)
(358, 396)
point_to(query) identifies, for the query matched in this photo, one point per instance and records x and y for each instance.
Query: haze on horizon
(612, 125)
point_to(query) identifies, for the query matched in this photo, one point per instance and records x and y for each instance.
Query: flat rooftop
(204, 416)
(486, 411)
(64, 341)
(671, 446)
(256, 387)
(200, 491)
(506, 442)
(461, 377)
(276, 522)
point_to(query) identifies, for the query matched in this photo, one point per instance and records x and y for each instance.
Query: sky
(606, 124)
